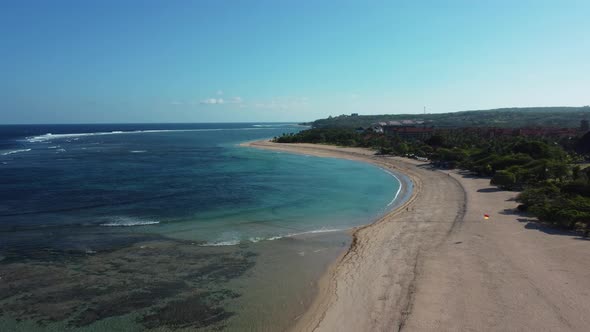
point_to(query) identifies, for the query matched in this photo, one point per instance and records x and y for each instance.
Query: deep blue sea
(226, 225)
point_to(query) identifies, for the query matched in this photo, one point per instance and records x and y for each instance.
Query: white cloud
(212, 101)
(275, 103)
(218, 101)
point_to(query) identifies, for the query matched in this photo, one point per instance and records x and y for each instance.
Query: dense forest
(503, 117)
(549, 171)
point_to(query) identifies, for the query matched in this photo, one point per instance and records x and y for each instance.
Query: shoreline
(435, 264)
(329, 308)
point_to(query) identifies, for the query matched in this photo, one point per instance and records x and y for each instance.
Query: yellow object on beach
(486, 217)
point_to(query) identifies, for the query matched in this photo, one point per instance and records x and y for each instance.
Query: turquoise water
(295, 195)
(170, 227)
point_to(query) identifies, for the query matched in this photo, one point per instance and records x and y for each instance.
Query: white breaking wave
(221, 243)
(50, 136)
(138, 151)
(128, 222)
(234, 242)
(277, 125)
(321, 230)
(15, 151)
(398, 189)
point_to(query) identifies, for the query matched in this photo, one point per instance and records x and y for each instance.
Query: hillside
(501, 117)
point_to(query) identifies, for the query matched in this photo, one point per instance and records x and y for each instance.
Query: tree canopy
(554, 187)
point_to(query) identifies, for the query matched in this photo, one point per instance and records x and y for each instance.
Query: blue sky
(223, 61)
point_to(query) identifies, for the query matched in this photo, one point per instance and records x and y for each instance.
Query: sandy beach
(436, 264)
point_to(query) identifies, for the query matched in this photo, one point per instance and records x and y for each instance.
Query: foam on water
(234, 242)
(399, 189)
(277, 125)
(128, 222)
(15, 151)
(222, 243)
(50, 136)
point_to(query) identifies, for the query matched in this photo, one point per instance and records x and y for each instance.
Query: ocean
(170, 226)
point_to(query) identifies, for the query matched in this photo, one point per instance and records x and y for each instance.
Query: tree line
(501, 118)
(549, 172)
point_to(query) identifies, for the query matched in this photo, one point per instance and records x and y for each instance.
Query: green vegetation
(554, 187)
(562, 204)
(350, 137)
(345, 137)
(502, 118)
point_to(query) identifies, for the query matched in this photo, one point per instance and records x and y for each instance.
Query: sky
(248, 61)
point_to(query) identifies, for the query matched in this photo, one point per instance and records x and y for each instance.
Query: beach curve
(436, 264)
(372, 284)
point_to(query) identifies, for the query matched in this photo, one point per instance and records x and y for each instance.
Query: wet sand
(436, 264)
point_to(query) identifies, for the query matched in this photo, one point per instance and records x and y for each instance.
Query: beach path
(506, 273)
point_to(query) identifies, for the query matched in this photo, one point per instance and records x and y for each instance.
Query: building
(378, 127)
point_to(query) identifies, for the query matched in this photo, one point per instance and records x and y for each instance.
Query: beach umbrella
(486, 216)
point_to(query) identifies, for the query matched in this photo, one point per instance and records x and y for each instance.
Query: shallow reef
(165, 283)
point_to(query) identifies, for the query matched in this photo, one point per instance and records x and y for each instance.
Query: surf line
(398, 181)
